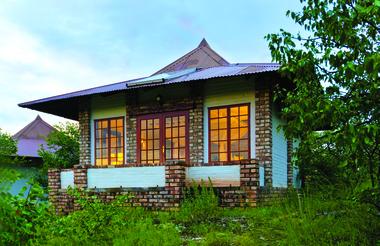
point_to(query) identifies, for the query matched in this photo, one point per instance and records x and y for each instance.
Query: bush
(200, 205)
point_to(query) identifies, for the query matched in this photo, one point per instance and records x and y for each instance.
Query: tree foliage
(62, 147)
(8, 146)
(335, 65)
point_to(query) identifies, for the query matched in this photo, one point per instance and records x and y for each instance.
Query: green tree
(8, 147)
(335, 65)
(62, 147)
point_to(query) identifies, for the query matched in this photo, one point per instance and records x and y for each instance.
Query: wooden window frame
(228, 107)
(109, 138)
(162, 116)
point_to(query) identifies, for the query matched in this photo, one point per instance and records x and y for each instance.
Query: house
(198, 118)
(31, 138)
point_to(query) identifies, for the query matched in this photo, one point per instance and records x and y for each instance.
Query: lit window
(229, 134)
(109, 142)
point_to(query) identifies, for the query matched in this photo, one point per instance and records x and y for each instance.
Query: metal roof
(198, 74)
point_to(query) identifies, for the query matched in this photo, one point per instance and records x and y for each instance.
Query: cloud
(31, 69)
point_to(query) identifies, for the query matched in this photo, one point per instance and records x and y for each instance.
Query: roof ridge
(29, 126)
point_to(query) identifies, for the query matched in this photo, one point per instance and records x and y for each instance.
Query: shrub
(200, 205)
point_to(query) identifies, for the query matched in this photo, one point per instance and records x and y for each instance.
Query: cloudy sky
(52, 47)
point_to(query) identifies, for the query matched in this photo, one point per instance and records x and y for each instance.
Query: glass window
(229, 134)
(109, 142)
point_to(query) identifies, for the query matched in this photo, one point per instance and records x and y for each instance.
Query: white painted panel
(129, 177)
(219, 175)
(224, 93)
(279, 152)
(261, 176)
(67, 179)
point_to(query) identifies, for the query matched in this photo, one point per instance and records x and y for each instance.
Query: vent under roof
(160, 78)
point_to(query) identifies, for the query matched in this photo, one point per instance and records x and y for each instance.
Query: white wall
(106, 107)
(279, 152)
(220, 93)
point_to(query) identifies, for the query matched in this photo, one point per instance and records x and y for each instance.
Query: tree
(335, 65)
(8, 146)
(62, 147)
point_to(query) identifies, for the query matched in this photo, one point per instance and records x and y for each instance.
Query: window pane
(143, 135)
(143, 155)
(168, 154)
(175, 132)
(182, 120)
(150, 155)
(214, 147)
(243, 132)
(223, 146)
(234, 146)
(213, 113)
(168, 133)
(234, 134)
(150, 134)
(175, 142)
(244, 110)
(214, 135)
(150, 144)
(222, 135)
(156, 154)
(104, 124)
(168, 122)
(223, 123)
(244, 121)
(182, 142)
(222, 112)
(214, 157)
(156, 123)
(168, 143)
(113, 142)
(234, 111)
(243, 155)
(182, 131)
(113, 123)
(175, 121)
(223, 157)
(182, 153)
(234, 122)
(235, 156)
(243, 145)
(175, 153)
(156, 144)
(120, 122)
(143, 124)
(156, 133)
(149, 124)
(214, 124)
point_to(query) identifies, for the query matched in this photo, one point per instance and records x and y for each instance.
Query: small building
(31, 138)
(198, 118)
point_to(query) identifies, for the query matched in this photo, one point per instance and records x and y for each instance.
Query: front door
(162, 137)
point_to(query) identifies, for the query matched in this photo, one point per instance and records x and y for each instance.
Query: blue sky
(52, 47)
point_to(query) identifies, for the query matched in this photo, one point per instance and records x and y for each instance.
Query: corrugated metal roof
(199, 74)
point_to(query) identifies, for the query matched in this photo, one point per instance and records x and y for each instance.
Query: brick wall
(263, 123)
(85, 134)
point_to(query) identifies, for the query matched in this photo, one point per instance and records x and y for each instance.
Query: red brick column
(264, 132)
(54, 184)
(249, 181)
(174, 183)
(80, 180)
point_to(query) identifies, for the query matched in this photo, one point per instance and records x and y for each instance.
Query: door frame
(161, 117)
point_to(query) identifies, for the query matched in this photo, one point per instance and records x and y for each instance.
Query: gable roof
(32, 136)
(200, 57)
(200, 64)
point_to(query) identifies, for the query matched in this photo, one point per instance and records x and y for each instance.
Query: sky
(50, 47)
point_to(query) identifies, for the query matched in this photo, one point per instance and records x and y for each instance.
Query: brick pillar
(249, 181)
(264, 132)
(196, 132)
(85, 134)
(290, 166)
(80, 180)
(174, 183)
(54, 184)
(131, 136)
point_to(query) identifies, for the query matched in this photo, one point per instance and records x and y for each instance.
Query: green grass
(296, 220)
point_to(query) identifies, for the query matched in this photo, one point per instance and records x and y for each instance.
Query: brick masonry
(263, 122)
(85, 134)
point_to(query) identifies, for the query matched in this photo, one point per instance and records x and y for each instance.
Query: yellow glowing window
(229, 133)
(109, 142)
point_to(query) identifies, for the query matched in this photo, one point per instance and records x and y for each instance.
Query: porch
(157, 187)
